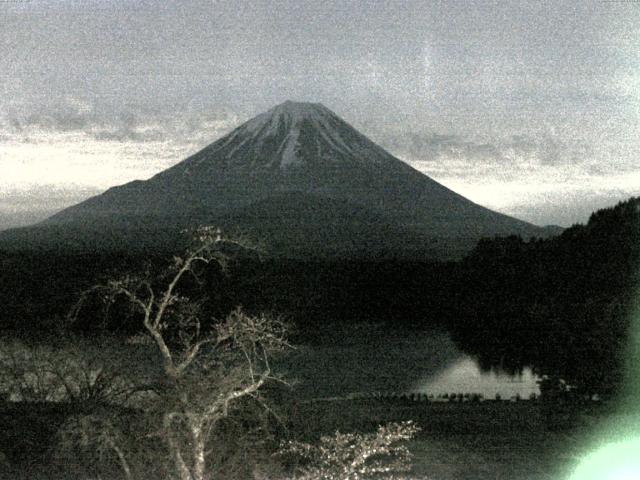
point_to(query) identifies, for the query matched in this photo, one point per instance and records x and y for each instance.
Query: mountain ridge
(303, 148)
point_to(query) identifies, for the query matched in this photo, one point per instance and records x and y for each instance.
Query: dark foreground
(471, 441)
(477, 441)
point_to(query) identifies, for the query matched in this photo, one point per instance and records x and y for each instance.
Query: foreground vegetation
(59, 426)
(515, 441)
(200, 403)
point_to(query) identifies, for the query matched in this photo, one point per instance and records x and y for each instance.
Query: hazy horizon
(532, 109)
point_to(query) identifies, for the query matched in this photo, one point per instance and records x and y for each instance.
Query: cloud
(434, 146)
(125, 133)
(63, 115)
(26, 206)
(21, 122)
(449, 156)
(431, 147)
(71, 142)
(18, 200)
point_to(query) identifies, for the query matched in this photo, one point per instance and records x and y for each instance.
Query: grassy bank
(472, 441)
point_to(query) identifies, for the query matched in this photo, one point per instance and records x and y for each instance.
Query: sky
(528, 108)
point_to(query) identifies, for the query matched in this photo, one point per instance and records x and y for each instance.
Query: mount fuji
(296, 176)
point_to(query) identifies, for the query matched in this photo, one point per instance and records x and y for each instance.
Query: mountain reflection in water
(395, 362)
(465, 376)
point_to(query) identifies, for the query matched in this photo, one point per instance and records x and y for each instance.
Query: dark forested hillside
(562, 305)
(39, 288)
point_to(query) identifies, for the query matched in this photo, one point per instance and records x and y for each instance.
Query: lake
(370, 361)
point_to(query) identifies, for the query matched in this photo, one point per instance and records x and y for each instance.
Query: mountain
(300, 176)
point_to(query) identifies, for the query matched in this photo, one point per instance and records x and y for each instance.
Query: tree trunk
(122, 459)
(199, 461)
(181, 466)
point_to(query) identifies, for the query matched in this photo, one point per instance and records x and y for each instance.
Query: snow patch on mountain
(285, 123)
(288, 149)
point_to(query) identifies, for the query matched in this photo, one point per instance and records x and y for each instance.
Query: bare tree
(34, 372)
(206, 370)
(99, 434)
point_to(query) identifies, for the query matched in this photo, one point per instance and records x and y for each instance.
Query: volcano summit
(297, 176)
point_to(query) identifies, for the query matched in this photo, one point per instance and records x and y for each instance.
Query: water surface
(465, 376)
(396, 362)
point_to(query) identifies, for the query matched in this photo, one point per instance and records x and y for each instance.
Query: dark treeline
(560, 305)
(38, 288)
(315, 296)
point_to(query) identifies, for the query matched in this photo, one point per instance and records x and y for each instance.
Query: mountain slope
(294, 151)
